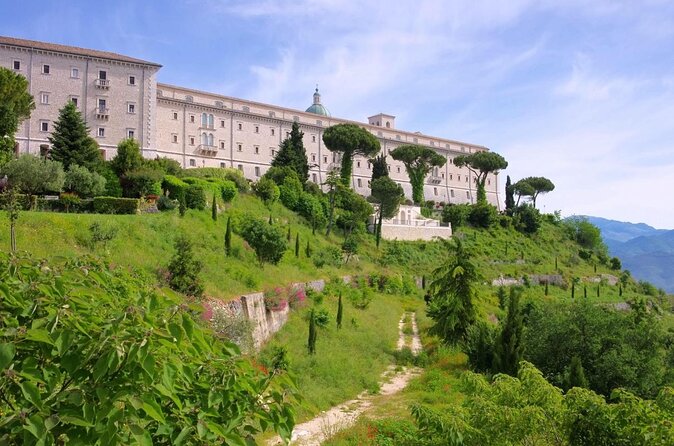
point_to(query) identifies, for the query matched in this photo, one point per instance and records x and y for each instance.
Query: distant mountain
(647, 252)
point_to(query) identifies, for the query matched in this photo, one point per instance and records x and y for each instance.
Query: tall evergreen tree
(214, 209)
(311, 344)
(16, 104)
(71, 143)
(128, 157)
(297, 245)
(509, 197)
(340, 311)
(228, 237)
(509, 344)
(379, 167)
(575, 377)
(292, 154)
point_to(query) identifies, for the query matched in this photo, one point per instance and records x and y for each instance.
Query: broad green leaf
(182, 436)
(77, 421)
(35, 425)
(142, 436)
(7, 352)
(153, 409)
(31, 393)
(39, 335)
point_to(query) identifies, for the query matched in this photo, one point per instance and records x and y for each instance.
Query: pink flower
(207, 315)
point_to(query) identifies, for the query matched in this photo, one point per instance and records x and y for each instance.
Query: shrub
(166, 165)
(456, 215)
(83, 182)
(69, 201)
(275, 299)
(309, 206)
(279, 174)
(173, 186)
(184, 269)
(113, 188)
(166, 204)
(236, 328)
(142, 182)
(527, 219)
(330, 256)
(195, 197)
(267, 191)
(482, 215)
(113, 205)
(268, 242)
(616, 264)
(34, 176)
(228, 191)
(290, 191)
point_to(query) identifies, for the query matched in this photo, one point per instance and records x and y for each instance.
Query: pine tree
(379, 167)
(509, 196)
(297, 245)
(575, 377)
(214, 209)
(228, 237)
(311, 344)
(340, 311)
(71, 143)
(508, 349)
(292, 154)
(307, 250)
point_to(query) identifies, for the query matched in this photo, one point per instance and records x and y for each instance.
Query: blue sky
(578, 91)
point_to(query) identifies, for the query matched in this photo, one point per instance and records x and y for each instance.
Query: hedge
(173, 185)
(81, 206)
(112, 205)
(195, 197)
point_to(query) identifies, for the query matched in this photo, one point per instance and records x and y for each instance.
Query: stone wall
(405, 232)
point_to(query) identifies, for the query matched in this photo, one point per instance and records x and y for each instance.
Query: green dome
(317, 108)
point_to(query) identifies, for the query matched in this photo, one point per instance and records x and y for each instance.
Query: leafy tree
(127, 158)
(527, 219)
(350, 247)
(292, 154)
(182, 203)
(482, 164)
(228, 191)
(355, 210)
(16, 104)
(167, 165)
(452, 294)
(379, 167)
(32, 175)
(585, 234)
(278, 174)
(389, 195)
(575, 377)
(290, 191)
(267, 241)
(340, 311)
(479, 346)
(540, 185)
(71, 143)
(456, 214)
(113, 187)
(228, 237)
(418, 161)
(83, 182)
(309, 206)
(350, 140)
(214, 209)
(333, 183)
(121, 363)
(522, 189)
(146, 181)
(509, 197)
(482, 215)
(616, 264)
(268, 192)
(509, 344)
(184, 269)
(12, 208)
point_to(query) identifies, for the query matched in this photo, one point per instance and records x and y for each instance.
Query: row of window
(100, 131)
(75, 72)
(102, 103)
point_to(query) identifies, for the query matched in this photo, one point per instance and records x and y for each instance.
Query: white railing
(205, 149)
(428, 223)
(102, 113)
(102, 83)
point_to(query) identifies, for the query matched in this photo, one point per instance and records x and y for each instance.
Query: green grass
(347, 360)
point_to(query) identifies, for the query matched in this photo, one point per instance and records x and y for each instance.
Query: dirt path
(328, 423)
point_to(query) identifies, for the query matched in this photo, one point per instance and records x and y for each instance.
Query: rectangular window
(313, 138)
(175, 116)
(102, 104)
(75, 73)
(102, 74)
(325, 160)
(222, 123)
(175, 138)
(44, 126)
(398, 168)
(360, 183)
(17, 64)
(191, 118)
(45, 69)
(257, 129)
(313, 157)
(435, 191)
(130, 133)
(132, 80)
(192, 162)
(314, 178)
(131, 108)
(44, 98)
(240, 167)
(222, 145)
(273, 153)
(451, 193)
(273, 132)
(357, 163)
(467, 194)
(191, 140)
(74, 100)
(257, 150)
(222, 165)
(240, 126)
(101, 132)
(257, 171)
(239, 147)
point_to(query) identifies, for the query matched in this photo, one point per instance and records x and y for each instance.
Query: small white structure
(409, 224)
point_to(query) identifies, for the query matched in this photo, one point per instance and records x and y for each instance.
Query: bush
(166, 204)
(184, 269)
(34, 176)
(234, 175)
(309, 206)
(174, 186)
(83, 182)
(113, 205)
(268, 242)
(482, 215)
(279, 174)
(66, 204)
(616, 264)
(527, 219)
(166, 165)
(113, 188)
(290, 191)
(267, 191)
(142, 182)
(228, 191)
(330, 256)
(456, 215)
(195, 197)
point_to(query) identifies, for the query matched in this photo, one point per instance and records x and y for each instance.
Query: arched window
(388, 125)
(211, 121)
(210, 139)
(204, 139)
(204, 119)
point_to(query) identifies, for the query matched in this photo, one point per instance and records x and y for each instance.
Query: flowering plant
(276, 299)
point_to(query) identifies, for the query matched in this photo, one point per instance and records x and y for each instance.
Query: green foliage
(228, 237)
(509, 197)
(538, 185)
(617, 348)
(350, 247)
(11, 206)
(587, 235)
(165, 203)
(418, 161)
(142, 182)
(452, 294)
(101, 358)
(482, 215)
(290, 191)
(313, 333)
(100, 234)
(379, 167)
(114, 205)
(297, 245)
(195, 197)
(268, 242)
(291, 154)
(113, 187)
(184, 269)
(479, 346)
(456, 215)
(527, 219)
(309, 206)
(278, 174)
(482, 164)
(70, 140)
(128, 158)
(267, 191)
(575, 376)
(350, 140)
(388, 194)
(508, 347)
(228, 191)
(167, 165)
(523, 189)
(340, 311)
(32, 175)
(173, 186)
(16, 104)
(330, 256)
(83, 182)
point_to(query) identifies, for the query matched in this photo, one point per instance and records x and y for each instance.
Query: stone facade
(201, 129)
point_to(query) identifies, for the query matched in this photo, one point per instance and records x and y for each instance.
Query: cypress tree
(620, 290)
(311, 344)
(214, 209)
(585, 291)
(70, 140)
(228, 237)
(501, 294)
(423, 282)
(575, 377)
(598, 286)
(509, 197)
(297, 245)
(307, 249)
(573, 290)
(508, 349)
(556, 268)
(271, 222)
(182, 206)
(289, 236)
(340, 311)
(506, 248)
(546, 288)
